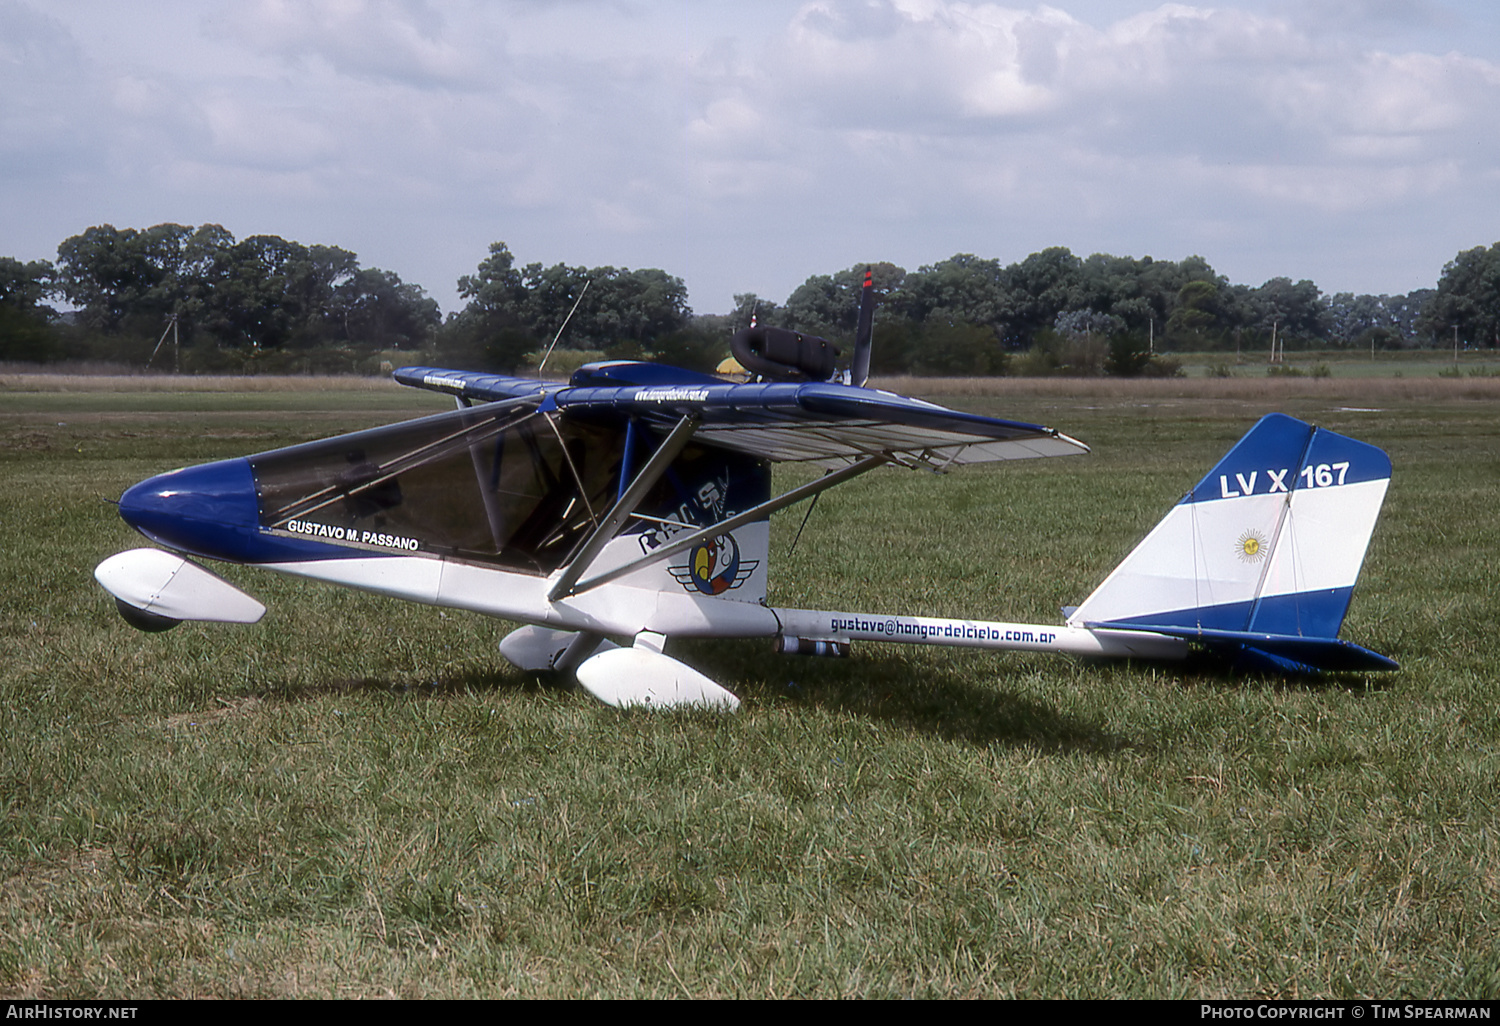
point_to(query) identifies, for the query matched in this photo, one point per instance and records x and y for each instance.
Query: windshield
(501, 484)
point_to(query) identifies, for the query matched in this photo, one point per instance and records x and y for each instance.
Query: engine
(781, 354)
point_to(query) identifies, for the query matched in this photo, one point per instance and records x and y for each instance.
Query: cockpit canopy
(506, 484)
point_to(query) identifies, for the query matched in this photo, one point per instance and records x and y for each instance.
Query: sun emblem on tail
(1251, 547)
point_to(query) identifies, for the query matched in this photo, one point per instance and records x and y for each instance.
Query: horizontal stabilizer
(1315, 654)
(167, 585)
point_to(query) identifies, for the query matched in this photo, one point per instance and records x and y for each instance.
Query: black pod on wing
(782, 354)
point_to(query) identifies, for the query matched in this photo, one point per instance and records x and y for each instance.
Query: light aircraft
(633, 502)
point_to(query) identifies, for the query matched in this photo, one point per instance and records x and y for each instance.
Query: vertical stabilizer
(1270, 542)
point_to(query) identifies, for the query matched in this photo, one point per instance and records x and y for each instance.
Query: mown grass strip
(360, 798)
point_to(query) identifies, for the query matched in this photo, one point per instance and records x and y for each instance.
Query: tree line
(1057, 312)
(226, 303)
(267, 303)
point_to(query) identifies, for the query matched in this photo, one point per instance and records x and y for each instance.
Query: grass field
(360, 798)
(1346, 363)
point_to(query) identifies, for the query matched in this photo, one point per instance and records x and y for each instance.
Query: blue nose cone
(210, 510)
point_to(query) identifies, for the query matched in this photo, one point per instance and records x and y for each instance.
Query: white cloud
(398, 40)
(48, 96)
(1222, 86)
(748, 146)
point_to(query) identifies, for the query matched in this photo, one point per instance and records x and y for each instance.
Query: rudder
(1269, 543)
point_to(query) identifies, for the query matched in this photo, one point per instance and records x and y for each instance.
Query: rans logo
(714, 566)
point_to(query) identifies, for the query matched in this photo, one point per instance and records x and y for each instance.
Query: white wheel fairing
(540, 648)
(167, 585)
(636, 677)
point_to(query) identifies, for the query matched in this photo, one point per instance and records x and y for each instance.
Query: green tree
(497, 285)
(266, 293)
(1366, 321)
(312, 279)
(1196, 316)
(749, 307)
(484, 340)
(106, 273)
(1117, 286)
(1296, 311)
(1042, 286)
(964, 289)
(637, 306)
(827, 305)
(617, 308)
(1405, 313)
(248, 305)
(26, 332)
(1467, 299)
(956, 349)
(376, 308)
(695, 347)
(488, 334)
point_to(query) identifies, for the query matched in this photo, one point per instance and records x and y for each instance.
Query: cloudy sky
(745, 146)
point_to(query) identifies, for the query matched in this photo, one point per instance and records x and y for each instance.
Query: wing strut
(607, 528)
(687, 541)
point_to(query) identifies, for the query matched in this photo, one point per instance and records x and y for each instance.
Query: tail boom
(822, 625)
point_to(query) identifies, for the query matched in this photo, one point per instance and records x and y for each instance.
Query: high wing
(471, 386)
(823, 423)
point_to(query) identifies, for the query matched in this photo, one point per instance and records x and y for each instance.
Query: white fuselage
(622, 609)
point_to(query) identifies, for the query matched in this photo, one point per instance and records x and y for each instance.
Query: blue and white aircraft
(630, 506)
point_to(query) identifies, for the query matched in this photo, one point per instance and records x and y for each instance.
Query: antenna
(548, 354)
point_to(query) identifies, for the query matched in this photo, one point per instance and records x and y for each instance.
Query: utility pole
(176, 346)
